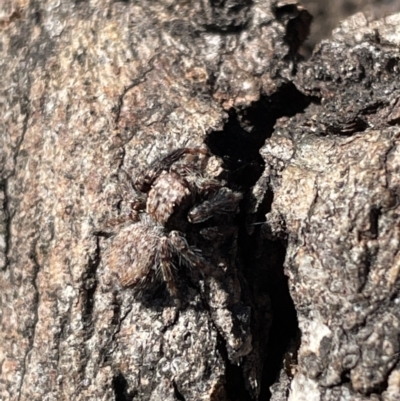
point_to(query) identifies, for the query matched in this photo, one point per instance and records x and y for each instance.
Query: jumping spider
(178, 195)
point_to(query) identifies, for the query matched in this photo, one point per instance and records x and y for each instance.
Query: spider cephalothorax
(179, 193)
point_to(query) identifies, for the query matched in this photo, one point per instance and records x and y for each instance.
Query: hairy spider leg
(191, 256)
(167, 266)
(222, 202)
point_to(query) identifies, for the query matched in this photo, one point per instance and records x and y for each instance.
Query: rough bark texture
(334, 171)
(328, 14)
(91, 93)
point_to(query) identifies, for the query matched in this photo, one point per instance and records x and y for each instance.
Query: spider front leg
(224, 201)
(129, 217)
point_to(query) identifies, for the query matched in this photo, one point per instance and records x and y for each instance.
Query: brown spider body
(179, 194)
(145, 180)
(143, 251)
(168, 192)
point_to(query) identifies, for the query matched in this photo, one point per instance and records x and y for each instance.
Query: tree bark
(302, 298)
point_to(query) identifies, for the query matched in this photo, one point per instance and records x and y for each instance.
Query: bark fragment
(336, 195)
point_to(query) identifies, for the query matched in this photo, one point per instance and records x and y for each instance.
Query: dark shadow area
(274, 323)
(5, 221)
(120, 387)
(284, 327)
(245, 132)
(177, 393)
(235, 385)
(89, 289)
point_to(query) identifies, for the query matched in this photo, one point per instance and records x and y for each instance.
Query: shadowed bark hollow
(299, 295)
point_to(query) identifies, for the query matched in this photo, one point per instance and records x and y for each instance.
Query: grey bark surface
(91, 93)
